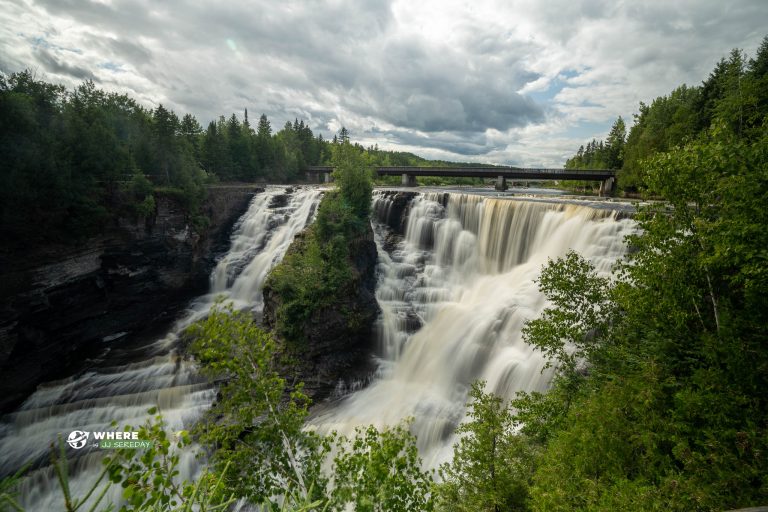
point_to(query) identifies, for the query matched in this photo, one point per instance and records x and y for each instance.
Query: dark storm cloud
(443, 89)
(53, 64)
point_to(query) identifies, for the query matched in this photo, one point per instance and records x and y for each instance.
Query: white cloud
(506, 81)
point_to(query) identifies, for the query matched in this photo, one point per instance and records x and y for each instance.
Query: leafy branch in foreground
(149, 478)
(9, 490)
(492, 465)
(571, 330)
(380, 471)
(256, 428)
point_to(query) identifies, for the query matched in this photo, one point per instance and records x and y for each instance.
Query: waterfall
(163, 378)
(455, 293)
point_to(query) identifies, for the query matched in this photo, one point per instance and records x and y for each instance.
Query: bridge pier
(327, 177)
(501, 183)
(608, 187)
(408, 180)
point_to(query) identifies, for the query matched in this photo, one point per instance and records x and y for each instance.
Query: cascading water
(455, 293)
(163, 378)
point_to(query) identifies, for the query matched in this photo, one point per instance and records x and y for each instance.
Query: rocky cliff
(337, 339)
(63, 306)
(391, 207)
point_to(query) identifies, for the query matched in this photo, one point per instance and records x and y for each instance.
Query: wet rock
(392, 209)
(279, 201)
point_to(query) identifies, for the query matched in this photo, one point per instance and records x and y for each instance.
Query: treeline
(74, 161)
(735, 95)
(608, 154)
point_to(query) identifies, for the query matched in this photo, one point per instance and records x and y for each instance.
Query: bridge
(607, 177)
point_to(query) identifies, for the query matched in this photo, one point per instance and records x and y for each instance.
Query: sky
(511, 82)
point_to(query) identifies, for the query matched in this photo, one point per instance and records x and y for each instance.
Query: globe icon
(77, 439)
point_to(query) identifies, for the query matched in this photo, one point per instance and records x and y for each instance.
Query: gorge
(455, 282)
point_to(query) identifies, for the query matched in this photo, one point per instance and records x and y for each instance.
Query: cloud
(51, 62)
(504, 81)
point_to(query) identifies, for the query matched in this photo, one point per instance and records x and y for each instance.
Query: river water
(455, 291)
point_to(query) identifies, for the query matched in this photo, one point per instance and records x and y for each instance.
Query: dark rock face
(63, 305)
(337, 344)
(391, 208)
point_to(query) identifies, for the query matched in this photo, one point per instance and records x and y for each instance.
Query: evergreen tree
(192, 131)
(758, 66)
(614, 145)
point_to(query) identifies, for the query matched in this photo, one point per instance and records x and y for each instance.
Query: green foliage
(316, 273)
(492, 466)
(380, 471)
(61, 469)
(671, 412)
(140, 186)
(255, 427)
(567, 331)
(602, 155)
(9, 490)
(352, 173)
(147, 207)
(337, 219)
(150, 478)
(68, 157)
(255, 431)
(734, 96)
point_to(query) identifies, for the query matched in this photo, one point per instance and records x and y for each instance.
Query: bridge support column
(501, 183)
(608, 187)
(327, 177)
(408, 180)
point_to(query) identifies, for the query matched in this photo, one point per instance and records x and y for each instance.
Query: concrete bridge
(607, 177)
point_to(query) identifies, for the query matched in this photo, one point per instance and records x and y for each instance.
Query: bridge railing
(481, 171)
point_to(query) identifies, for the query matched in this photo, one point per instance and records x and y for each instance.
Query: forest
(735, 94)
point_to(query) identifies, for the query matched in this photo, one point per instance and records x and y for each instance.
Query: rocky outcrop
(62, 306)
(337, 340)
(391, 208)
